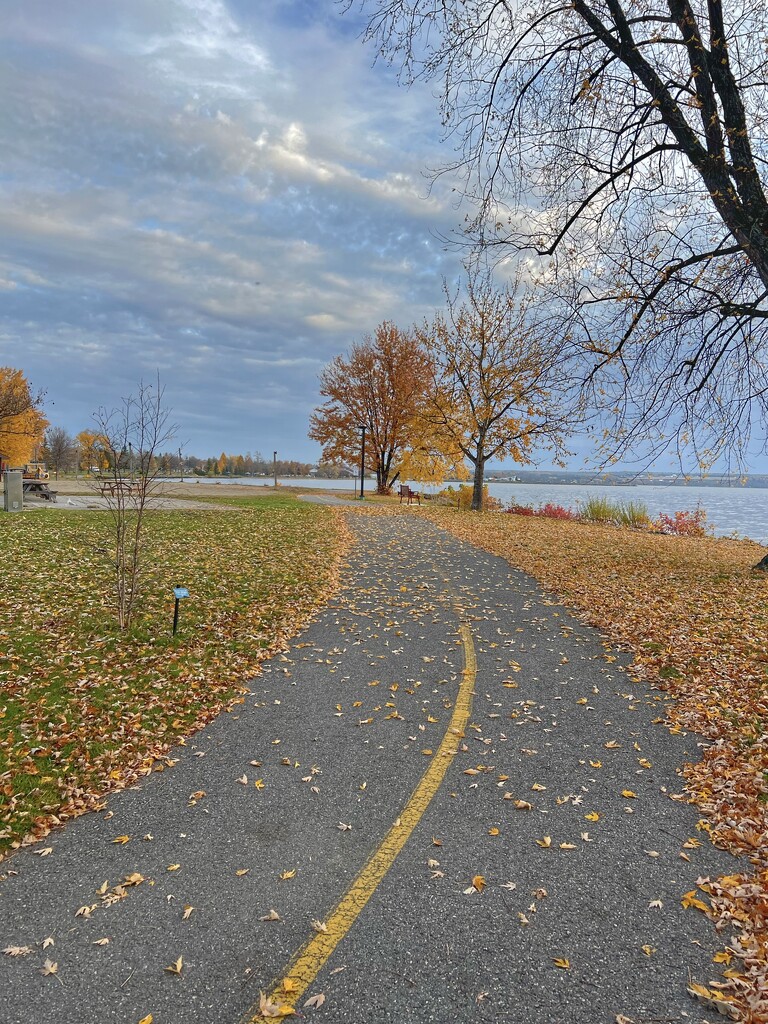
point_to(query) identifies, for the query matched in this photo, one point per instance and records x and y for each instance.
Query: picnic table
(115, 488)
(34, 487)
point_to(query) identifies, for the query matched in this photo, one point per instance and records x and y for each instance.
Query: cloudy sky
(223, 191)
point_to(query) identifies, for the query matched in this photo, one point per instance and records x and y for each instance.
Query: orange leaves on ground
(691, 900)
(693, 613)
(92, 711)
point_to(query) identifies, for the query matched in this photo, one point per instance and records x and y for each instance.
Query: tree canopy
(491, 391)
(381, 386)
(22, 424)
(621, 144)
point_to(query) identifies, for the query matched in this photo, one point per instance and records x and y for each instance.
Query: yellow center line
(306, 964)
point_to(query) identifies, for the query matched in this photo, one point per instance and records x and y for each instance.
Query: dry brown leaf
(175, 968)
(269, 1009)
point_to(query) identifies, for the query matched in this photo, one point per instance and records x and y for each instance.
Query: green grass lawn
(84, 707)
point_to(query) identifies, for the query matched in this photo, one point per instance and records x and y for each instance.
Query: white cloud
(208, 188)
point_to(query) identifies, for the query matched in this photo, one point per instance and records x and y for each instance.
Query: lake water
(739, 511)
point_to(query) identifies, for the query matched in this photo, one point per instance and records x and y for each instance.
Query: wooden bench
(410, 494)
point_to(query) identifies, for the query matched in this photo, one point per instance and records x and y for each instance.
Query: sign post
(179, 593)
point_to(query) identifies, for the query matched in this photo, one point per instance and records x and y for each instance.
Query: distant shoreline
(624, 479)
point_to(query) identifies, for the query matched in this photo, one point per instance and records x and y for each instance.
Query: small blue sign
(179, 592)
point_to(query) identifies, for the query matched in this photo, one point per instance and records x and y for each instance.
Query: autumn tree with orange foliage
(93, 454)
(493, 393)
(22, 425)
(380, 385)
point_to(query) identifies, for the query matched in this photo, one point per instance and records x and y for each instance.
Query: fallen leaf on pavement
(175, 968)
(269, 1009)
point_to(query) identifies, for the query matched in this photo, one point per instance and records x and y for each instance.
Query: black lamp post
(362, 463)
(274, 466)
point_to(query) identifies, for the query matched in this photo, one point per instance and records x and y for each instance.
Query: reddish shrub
(520, 510)
(550, 511)
(683, 524)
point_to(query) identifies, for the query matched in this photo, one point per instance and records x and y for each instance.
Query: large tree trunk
(477, 484)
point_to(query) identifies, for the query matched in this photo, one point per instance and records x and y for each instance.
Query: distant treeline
(171, 464)
(88, 453)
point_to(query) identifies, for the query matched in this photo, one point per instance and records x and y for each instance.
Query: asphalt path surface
(264, 821)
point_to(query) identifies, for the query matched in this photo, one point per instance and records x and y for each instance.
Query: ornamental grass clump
(633, 514)
(598, 510)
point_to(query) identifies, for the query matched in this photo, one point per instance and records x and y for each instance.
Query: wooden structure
(116, 488)
(34, 488)
(409, 494)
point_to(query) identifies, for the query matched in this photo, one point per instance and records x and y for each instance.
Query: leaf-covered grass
(84, 708)
(695, 615)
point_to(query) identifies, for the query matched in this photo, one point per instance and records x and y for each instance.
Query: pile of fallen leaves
(84, 708)
(695, 615)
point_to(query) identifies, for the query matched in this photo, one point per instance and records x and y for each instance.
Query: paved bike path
(343, 727)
